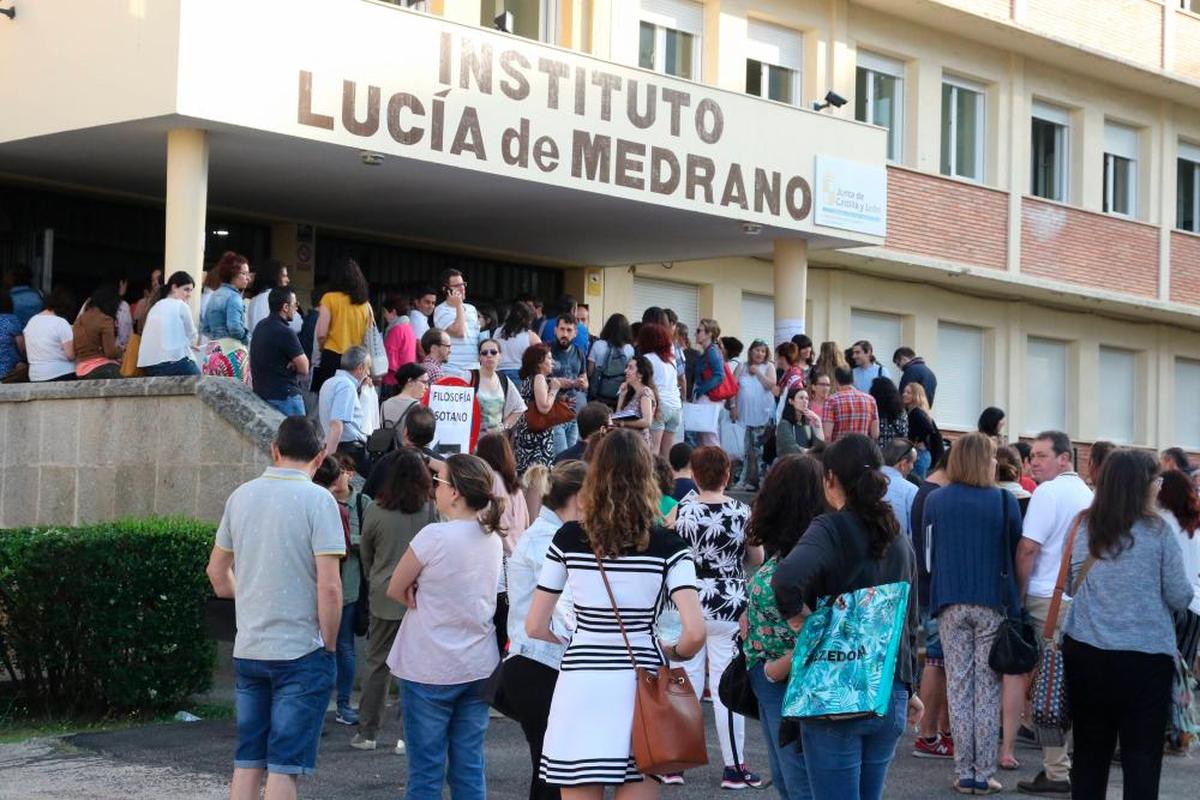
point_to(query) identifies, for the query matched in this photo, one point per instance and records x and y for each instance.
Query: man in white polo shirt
(1060, 496)
(460, 320)
(278, 554)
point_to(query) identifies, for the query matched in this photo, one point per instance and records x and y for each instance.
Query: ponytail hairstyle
(471, 477)
(176, 280)
(855, 461)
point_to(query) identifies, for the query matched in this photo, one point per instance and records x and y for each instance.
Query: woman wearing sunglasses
(500, 403)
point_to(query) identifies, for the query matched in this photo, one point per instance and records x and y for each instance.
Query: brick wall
(1090, 249)
(935, 216)
(1185, 268)
(1187, 45)
(1129, 29)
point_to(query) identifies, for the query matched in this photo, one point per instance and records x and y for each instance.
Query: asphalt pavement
(187, 759)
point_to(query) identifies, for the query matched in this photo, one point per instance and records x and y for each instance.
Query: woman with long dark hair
(991, 424)
(169, 336)
(587, 743)
(637, 400)
(1127, 582)
(1179, 505)
(267, 276)
(515, 337)
(791, 497)
(401, 508)
(343, 317)
(654, 342)
(97, 354)
(607, 358)
(857, 546)
(540, 390)
(893, 419)
(446, 648)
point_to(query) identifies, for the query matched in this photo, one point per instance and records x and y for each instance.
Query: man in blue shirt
(567, 306)
(866, 368)
(340, 410)
(570, 367)
(899, 457)
(26, 300)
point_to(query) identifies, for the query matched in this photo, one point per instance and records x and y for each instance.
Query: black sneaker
(1044, 787)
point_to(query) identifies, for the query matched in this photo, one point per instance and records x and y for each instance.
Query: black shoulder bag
(1015, 648)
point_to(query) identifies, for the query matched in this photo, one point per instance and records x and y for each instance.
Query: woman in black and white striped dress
(588, 738)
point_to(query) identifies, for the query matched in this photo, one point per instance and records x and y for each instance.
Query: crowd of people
(600, 524)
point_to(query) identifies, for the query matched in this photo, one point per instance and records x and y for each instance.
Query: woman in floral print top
(791, 497)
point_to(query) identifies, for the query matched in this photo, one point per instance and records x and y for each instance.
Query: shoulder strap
(612, 599)
(504, 382)
(1061, 584)
(475, 379)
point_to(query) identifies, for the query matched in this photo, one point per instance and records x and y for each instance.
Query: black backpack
(387, 438)
(611, 374)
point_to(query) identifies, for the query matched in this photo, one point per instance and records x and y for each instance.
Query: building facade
(1010, 187)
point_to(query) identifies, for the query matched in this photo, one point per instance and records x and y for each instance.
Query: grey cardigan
(1126, 600)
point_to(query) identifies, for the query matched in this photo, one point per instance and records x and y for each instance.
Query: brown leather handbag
(561, 411)
(668, 725)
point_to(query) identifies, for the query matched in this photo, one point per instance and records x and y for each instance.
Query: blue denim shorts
(933, 641)
(280, 711)
(669, 420)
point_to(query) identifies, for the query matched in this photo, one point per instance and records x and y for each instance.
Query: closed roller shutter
(682, 298)
(758, 320)
(1045, 386)
(960, 376)
(1187, 389)
(1118, 406)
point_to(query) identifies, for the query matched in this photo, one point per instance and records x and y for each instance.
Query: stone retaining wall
(87, 451)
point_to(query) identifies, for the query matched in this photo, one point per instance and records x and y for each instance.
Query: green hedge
(108, 618)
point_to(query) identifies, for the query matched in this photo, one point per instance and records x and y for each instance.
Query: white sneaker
(359, 743)
(400, 748)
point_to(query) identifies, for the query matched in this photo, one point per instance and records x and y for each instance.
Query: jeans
(565, 435)
(184, 366)
(445, 726)
(280, 707)
(849, 760)
(924, 462)
(1117, 695)
(293, 406)
(345, 656)
(788, 771)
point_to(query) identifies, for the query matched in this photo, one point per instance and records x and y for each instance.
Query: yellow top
(347, 322)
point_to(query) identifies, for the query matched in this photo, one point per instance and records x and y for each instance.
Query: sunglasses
(489, 352)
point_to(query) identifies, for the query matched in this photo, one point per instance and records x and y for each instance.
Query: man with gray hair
(899, 457)
(340, 409)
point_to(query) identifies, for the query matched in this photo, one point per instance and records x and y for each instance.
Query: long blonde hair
(920, 399)
(830, 358)
(620, 495)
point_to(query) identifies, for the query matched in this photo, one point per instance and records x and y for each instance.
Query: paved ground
(180, 760)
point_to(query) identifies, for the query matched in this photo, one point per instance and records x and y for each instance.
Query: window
(1120, 169)
(884, 333)
(1045, 386)
(1118, 406)
(758, 321)
(962, 128)
(960, 370)
(879, 97)
(1187, 389)
(1187, 189)
(1048, 152)
(533, 19)
(774, 59)
(669, 39)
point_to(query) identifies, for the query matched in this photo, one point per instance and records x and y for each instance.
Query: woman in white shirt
(654, 342)
(266, 278)
(50, 342)
(514, 338)
(754, 409)
(169, 335)
(446, 647)
(1179, 505)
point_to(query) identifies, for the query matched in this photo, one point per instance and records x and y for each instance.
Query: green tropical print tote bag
(846, 654)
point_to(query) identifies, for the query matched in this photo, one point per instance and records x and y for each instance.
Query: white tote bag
(701, 417)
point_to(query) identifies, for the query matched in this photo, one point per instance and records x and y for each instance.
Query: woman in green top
(666, 484)
(789, 499)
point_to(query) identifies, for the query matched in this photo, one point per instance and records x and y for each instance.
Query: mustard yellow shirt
(347, 322)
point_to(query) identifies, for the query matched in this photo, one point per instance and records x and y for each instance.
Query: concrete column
(791, 287)
(1018, 157)
(187, 205)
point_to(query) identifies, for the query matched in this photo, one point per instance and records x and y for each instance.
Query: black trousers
(1116, 695)
(529, 686)
(330, 361)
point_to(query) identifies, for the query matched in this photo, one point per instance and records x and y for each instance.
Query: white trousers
(718, 651)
